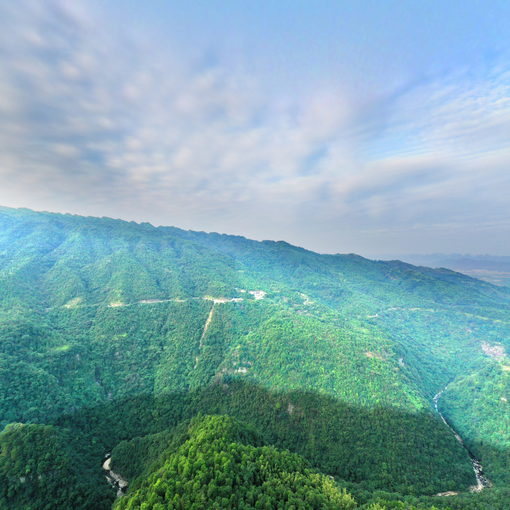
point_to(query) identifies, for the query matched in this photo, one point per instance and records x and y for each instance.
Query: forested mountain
(205, 361)
(221, 465)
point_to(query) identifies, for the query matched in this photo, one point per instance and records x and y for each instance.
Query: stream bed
(481, 480)
(114, 479)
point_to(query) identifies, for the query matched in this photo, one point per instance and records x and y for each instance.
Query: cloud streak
(98, 120)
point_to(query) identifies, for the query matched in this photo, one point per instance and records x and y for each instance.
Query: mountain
(491, 268)
(116, 334)
(221, 464)
(39, 469)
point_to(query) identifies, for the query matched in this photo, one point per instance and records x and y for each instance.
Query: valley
(114, 479)
(481, 481)
(126, 336)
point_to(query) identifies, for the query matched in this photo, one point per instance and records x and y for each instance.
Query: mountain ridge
(96, 311)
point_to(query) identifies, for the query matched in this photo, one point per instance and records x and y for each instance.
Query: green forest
(213, 371)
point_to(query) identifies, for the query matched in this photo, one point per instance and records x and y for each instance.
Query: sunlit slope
(222, 464)
(54, 260)
(95, 310)
(209, 462)
(100, 308)
(55, 361)
(479, 406)
(375, 446)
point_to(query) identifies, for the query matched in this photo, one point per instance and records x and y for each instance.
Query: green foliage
(379, 447)
(110, 328)
(218, 468)
(479, 405)
(39, 471)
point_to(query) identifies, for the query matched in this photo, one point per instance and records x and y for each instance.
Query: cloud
(100, 120)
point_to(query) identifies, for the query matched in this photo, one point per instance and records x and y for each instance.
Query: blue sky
(366, 126)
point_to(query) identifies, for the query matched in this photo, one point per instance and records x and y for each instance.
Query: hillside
(120, 331)
(224, 460)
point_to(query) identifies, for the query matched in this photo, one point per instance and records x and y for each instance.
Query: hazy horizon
(340, 127)
(374, 256)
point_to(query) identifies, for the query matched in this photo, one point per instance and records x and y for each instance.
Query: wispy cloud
(100, 120)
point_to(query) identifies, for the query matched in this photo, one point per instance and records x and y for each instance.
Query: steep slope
(222, 466)
(50, 259)
(96, 311)
(479, 406)
(375, 446)
(40, 471)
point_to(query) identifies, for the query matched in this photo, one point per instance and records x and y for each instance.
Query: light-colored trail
(207, 324)
(204, 332)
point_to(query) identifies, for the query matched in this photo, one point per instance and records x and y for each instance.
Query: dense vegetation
(479, 406)
(219, 466)
(40, 471)
(349, 442)
(119, 332)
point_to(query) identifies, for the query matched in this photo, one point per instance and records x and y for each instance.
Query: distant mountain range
(491, 268)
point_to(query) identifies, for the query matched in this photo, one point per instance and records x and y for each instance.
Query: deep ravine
(481, 480)
(114, 479)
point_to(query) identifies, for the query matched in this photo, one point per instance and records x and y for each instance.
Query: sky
(342, 126)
